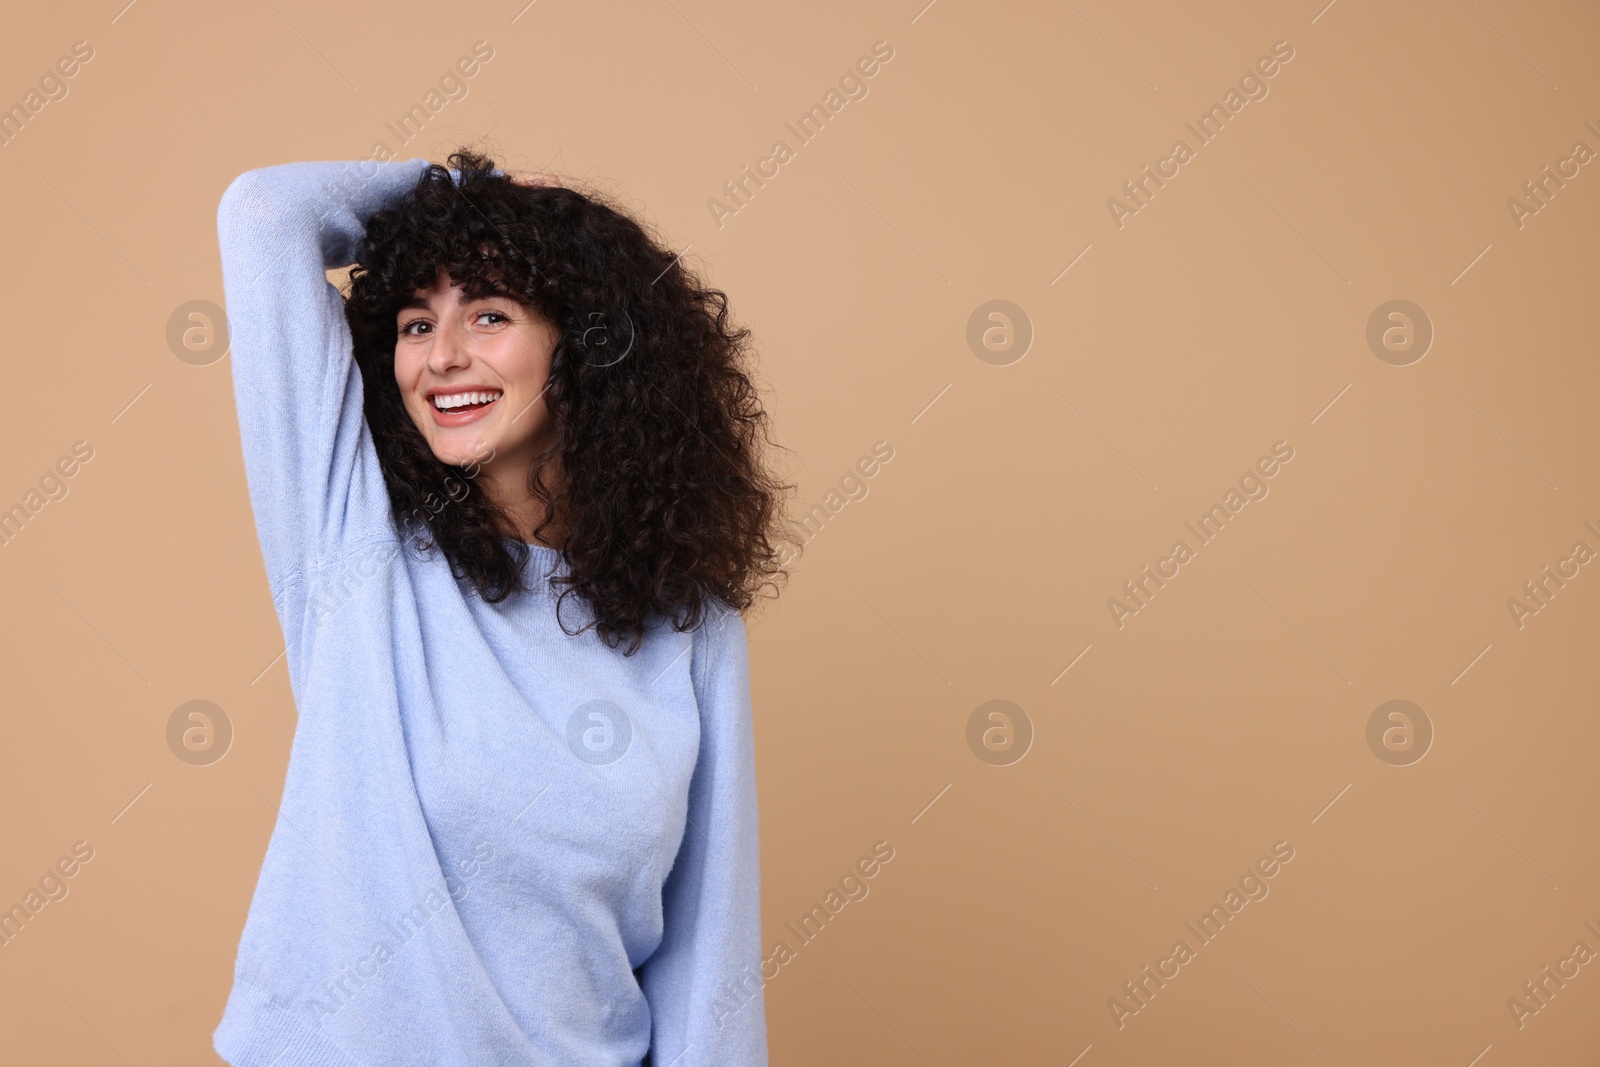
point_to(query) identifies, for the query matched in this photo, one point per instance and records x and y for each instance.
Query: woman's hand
(531, 177)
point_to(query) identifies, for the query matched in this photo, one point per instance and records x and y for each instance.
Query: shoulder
(719, 640)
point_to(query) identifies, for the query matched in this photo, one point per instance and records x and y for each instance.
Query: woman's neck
(520, 510)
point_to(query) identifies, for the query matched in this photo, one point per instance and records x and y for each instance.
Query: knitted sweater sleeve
(315, 486)
(704, 982)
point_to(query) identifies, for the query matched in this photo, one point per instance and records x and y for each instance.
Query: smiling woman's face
(473, 373)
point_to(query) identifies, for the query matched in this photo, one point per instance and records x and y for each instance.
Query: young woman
(510, 543)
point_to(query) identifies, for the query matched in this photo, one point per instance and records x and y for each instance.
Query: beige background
(1227, 315)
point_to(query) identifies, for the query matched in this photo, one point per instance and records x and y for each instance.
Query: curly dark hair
(663, 497)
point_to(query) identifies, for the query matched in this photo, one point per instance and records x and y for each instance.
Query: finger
(529, 177)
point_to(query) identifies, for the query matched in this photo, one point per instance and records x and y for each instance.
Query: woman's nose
(449, 350)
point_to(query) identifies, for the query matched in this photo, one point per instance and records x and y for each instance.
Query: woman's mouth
(458, 409)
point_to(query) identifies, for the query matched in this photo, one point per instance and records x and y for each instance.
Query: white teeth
(456, 400)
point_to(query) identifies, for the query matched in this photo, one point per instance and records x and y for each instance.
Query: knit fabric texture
(497, 843)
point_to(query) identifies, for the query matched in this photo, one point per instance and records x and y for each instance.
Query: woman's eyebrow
(421, 303)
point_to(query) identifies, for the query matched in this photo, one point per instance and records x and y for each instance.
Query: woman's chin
(460, 458)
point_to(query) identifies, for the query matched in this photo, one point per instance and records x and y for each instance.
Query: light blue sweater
(497, 844)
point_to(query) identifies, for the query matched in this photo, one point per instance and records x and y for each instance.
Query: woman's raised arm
(315, 487)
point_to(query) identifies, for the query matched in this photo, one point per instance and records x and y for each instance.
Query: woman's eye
(416, 326)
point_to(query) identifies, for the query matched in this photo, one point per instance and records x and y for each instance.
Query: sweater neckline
(535, 547)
